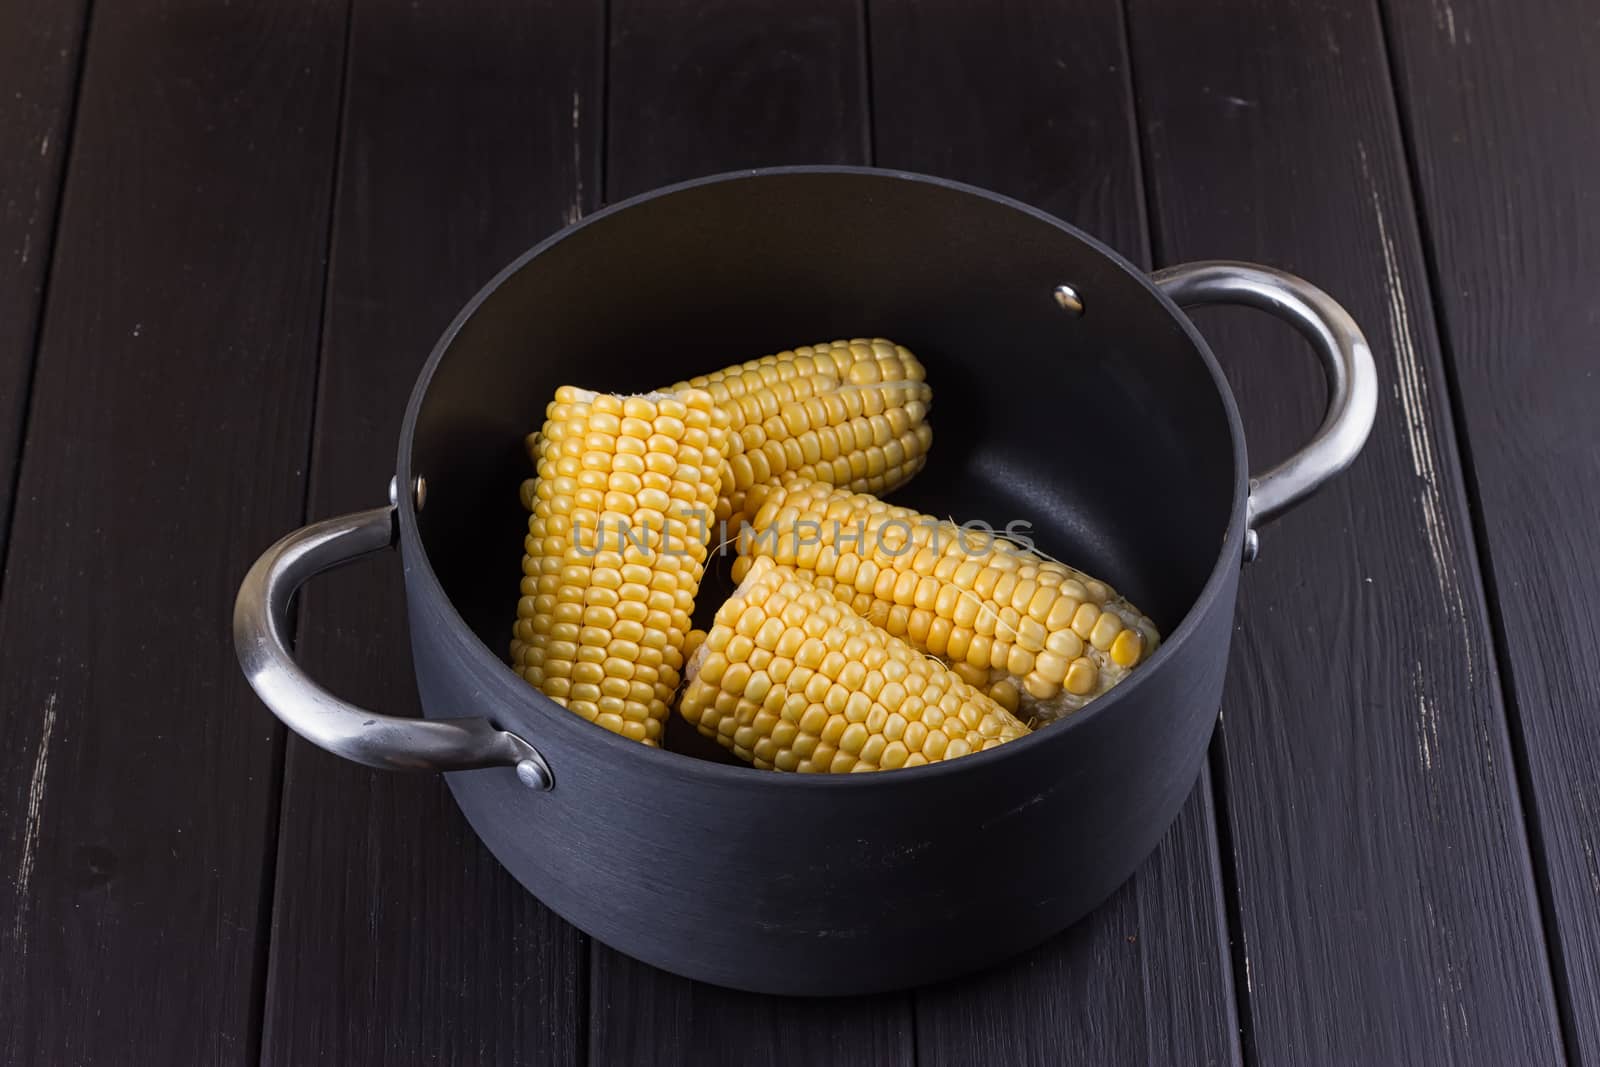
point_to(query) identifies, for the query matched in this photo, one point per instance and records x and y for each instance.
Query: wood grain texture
(40, 48)
(168, 431)
(698, 88)
(702, 86)
(470, 132)
(1146, 978)
(642, 1016)
(1388, 907)
(1503, 105)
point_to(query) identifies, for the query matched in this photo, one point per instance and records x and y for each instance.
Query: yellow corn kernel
(1081, 678)
(1127, 648)
(868, 701)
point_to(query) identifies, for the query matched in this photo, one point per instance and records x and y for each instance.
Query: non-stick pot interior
(1106, 430)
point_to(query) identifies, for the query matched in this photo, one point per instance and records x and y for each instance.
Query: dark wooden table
(230, 232)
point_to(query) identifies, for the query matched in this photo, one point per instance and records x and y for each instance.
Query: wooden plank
(1146, 978)
(641, 1016)
(470, 132)
(1383, 875)
(697, 88)
(1503, 108)
(40, 46)
(701, 86)
(168, 430)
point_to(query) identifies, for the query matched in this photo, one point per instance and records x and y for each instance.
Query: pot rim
(539, 708)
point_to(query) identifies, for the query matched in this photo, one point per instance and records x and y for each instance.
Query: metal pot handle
(260, 636)
(1352, 375)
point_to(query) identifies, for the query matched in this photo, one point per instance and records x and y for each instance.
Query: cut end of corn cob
(615, 551)
(789, 678)
(1041, 638)
(850, 413)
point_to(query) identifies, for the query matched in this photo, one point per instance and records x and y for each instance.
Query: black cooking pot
(1069, 391)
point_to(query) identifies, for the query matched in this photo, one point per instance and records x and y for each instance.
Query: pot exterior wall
(760, 882)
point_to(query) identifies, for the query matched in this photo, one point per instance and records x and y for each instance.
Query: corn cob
(790, 678)
(615, 551)
(849, 413)
(1041, 638)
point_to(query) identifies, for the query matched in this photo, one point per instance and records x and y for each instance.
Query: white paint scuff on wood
(575, 212)
(1411, 389)
(30, 824)
(1444, 17)
(1427, 719)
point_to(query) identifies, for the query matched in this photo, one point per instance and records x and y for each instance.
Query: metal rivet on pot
(1252, 546)
(1069, 300)
(419, 491)
(534, 774)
